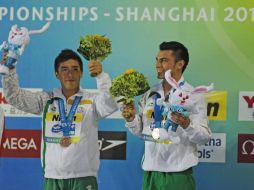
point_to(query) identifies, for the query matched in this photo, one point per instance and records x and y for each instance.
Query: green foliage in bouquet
(94, 47)
(129, 85)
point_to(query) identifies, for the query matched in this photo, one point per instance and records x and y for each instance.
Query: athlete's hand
(129, 111)
(95, 67)
(180, 119)
(4, 58)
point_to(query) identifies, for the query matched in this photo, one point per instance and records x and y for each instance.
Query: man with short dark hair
(169, 165)
(70, 150)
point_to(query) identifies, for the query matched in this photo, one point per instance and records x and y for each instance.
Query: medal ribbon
(66, 122)
(157, 112)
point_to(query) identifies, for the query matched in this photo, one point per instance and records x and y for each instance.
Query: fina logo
(244, 147)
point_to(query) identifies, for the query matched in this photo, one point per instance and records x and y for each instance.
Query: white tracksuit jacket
(171, 157)
(81, 158)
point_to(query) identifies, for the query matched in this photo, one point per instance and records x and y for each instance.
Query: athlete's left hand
(180, 119)
(95, 67)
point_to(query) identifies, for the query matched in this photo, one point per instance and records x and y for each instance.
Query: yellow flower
(100, 38)
(129, 71)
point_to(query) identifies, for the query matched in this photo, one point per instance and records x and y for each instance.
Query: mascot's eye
(21, 33)
(180, 95)
(187, 97)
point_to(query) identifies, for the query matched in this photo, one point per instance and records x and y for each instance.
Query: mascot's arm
(4, 46)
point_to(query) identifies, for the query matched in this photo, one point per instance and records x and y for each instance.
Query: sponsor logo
(56, 117)
(246, 106)
(26, 144)
(214, 150)
(150, 113)
(245, 148)
(216, 105)
(82, 102)
(21, 143)
(112, 145)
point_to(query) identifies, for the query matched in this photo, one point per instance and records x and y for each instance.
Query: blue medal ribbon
(157, 112)
(66, 122)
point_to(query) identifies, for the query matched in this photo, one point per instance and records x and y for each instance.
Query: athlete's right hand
(4, 58)
(129, 111)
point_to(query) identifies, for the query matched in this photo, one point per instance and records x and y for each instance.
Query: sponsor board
(214, 150)
(21, 143)
(246, 106)
(26, 144)
(112, 145)
(245, 148)
(216, 105)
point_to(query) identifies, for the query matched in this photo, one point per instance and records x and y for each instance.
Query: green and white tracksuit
(81, 158)
(178, 157)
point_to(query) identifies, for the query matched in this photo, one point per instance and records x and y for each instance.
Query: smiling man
(169, 165)
(70, 151)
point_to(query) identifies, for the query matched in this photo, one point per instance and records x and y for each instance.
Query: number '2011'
(240, 14)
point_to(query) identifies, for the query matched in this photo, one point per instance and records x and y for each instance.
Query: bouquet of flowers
(95, 47)
(129, 85)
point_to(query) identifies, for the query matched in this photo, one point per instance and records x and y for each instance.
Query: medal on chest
(65, 141)
(157, 119)
(66, 125)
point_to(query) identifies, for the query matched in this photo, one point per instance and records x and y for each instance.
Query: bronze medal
(65, 141)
